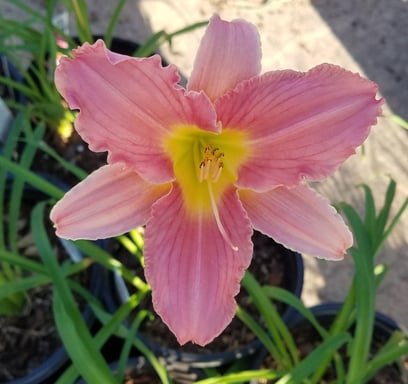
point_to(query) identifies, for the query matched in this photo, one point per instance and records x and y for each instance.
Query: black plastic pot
(207, 357)
(326, 312)
(8, 70)
(384, 327)
(48, 371)
(139, 370)
(8, 93)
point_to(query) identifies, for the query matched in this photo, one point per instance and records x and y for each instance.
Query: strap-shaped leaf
(71, 327)
(308, 365)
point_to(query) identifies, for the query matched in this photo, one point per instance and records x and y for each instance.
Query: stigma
(211, 165)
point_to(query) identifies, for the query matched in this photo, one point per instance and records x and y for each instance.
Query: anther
(211, 165)
(207, 149)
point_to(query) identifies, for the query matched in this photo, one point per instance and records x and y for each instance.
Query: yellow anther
(211, 165)
(207, 149)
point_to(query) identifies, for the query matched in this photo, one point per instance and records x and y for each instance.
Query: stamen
(207, 149)
(207, 168)
(218, 220)
(201, 176)
(217, 174)
(211, 166)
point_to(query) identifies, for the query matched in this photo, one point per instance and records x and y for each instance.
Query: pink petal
(229, 53)
(301, 125)
(193, 272)
(300, 219)
(109, 202)
(128, 105)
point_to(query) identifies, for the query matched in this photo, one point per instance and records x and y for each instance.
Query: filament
(218, 220)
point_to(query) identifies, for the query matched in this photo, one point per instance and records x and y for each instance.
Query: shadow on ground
(375, 33)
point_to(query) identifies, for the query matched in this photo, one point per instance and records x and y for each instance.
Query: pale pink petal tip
(194, 273)
(300, 125)
(300, 219)
(109, 202)
(229, 53)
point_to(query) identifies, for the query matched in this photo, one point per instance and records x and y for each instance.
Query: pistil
(210, 171)
(217, 218)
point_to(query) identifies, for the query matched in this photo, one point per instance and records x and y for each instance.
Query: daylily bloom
(201, 167)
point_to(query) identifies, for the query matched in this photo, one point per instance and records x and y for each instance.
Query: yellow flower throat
(201, 158)
(205, 164)
(211, 166)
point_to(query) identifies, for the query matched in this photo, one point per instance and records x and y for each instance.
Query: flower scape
(203, 166)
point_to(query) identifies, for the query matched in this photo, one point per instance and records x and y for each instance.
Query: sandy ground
(365, 36)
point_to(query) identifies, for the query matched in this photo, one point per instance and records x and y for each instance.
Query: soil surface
(307, 340)
(30, 337)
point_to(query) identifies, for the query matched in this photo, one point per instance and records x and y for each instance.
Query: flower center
(211, 166)
(200, 157)
(205, 164)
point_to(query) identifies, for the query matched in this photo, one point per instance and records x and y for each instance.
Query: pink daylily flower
(201, 167)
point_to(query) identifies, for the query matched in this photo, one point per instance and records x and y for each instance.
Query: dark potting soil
(268, 268)
(74, 150)
(31, 337)
(307, 340)
(146, 375)
(141, 378)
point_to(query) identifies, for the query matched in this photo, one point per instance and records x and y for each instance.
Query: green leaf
(259, 332)
(31, 178)
(391, 226)
(125, 352)
(11, 299)
(71, 327)
(384, 214)
(111, 323)
(8, 150)
(157, 39)
(244, 376)
(370, 213)
(392, 351)
(308, 365)
(360, 232)
(79, 344)
(75, 170)
(150, 45)
(81, 14)
(104, 258)
(400, 121)
(16, 193)
(11, 288)
(291, 300)
(287, 351)
(113, 21)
